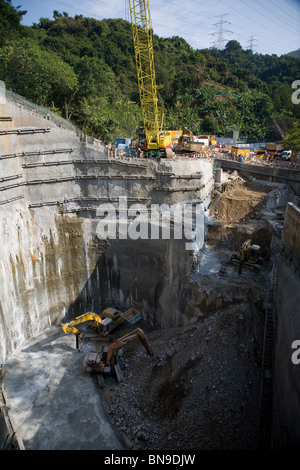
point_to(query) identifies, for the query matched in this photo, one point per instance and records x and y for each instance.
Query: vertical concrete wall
(52, 263)
(286, 409)
(151, 275)
(291, 234)
(46, 256)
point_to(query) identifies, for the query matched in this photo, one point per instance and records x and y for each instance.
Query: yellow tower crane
(157, 142)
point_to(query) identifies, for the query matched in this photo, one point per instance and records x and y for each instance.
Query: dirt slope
(201, 388)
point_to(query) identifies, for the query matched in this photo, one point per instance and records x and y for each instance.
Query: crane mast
(156, 140)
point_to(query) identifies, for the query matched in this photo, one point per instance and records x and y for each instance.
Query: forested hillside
(294, 53)
(84, 69)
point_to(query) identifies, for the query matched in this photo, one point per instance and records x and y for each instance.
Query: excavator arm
(243, 252)
(105, 362)
(69, 328)
(119, 343)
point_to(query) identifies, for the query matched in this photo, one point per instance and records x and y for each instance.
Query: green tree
(10, 18)
(292, 140)
(39, 75)
(107, 120)
(88, 67)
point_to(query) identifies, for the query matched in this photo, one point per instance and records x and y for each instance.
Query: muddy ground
(201, 389)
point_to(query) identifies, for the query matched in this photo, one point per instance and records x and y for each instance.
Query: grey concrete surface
(54, 403)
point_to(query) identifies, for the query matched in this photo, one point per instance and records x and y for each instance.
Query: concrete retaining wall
(45, 260)
(51, 184)
(268, 172)
(286, 410)
(291, 232)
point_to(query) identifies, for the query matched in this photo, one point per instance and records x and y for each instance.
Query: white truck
(286, 155)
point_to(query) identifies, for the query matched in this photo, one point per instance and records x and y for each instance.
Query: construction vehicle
(213, 140)
(107, 361)
(286, 155)
(186, 143)
(154, 142)
(175, 136)
(261, 154)
(94, 318)
(95, 323)
(274, 148)
(109, 319)
(240, 152)
(113, 317)
(248, 255)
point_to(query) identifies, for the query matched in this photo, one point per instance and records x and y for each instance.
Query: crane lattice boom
(143, 47)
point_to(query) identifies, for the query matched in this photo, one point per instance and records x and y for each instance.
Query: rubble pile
(200, 390)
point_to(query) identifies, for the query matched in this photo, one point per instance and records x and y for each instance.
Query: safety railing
(47, 114)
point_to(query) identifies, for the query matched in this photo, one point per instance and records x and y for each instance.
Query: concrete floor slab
(54, 403)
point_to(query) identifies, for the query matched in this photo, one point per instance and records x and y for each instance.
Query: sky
(265, 26)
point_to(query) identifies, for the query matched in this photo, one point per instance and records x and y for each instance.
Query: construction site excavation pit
(204, 316)
(204, 321)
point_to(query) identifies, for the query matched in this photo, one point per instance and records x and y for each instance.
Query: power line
(78, 9)
(194, 27)
(243, 14)
(264, 27)
(251, 43)
(292, 4)
(221, 41)
(288, 18)
(262, 14)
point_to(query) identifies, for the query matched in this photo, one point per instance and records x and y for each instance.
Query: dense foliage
(85, 70)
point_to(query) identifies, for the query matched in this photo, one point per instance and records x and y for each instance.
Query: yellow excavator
(186, 143)
(248, 255)
(107, 361)
(109, 319)
(69, 328)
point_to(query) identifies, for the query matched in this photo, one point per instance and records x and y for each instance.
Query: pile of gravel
(201, 388)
